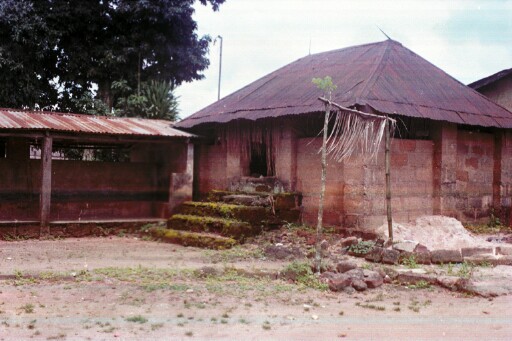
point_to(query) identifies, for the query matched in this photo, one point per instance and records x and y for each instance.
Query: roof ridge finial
(384, 33)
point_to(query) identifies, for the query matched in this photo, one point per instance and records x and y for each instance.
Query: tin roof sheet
(79, 123)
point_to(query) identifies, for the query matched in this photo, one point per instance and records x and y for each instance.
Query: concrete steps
(227, 218)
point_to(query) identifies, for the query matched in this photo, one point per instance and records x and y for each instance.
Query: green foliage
(137, 319)
(410, 262)
(155, 100)
(55, 52)
(419, 285)
(302, 273)
(362, 248)
(325, 84)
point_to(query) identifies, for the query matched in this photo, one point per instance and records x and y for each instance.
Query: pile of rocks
(348, 277)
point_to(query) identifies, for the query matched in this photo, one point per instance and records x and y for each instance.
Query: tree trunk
(105, 93)
(319, 229)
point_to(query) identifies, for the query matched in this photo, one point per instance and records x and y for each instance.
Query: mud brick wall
(355, 190)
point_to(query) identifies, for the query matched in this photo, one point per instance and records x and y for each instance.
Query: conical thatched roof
(385, 76)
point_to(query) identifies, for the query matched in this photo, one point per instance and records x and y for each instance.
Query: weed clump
(302, 274)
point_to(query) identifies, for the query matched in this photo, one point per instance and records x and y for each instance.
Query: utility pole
(220, 67)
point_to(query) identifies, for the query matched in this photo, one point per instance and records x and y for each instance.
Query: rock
(472, 251)
(326, 276)
(484, 288)
(324, 244)
(359, 285)
(390, 256)
(482, 259)
(446, 256)
(423, 257)
(413, 278)
(504, 250)
(355, 273)
(375, 255)
(206, 271)
(450, 282)
(345, 242)
(420, 248)
(504, 260)
(349, 290)
(345, 266)
(405, 246)
(282, 252)
(372, 278)
(340, 282)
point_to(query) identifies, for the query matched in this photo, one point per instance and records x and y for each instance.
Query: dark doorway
(258, 165)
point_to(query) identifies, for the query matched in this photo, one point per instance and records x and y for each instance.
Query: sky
(467, 39)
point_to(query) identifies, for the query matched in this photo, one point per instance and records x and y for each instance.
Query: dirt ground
(128, 289)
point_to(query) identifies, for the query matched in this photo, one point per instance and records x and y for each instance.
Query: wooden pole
(388, 179)
(46, 184)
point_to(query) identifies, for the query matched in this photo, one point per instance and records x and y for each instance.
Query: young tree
(327, 87)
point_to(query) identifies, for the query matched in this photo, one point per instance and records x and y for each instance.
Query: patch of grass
(223, 321)
(371, 306)
(137, 319)
(362, 248)
(266, 325)
(189, 333)
(465, 270)
(243, 321)
(236, 254)
(420, 285)
(410, 262)
(302, 274)
(28, 308)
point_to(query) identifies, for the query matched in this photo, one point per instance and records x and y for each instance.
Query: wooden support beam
(388, 180)
(46, 185)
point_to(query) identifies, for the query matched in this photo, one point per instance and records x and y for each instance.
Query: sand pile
(435, 232)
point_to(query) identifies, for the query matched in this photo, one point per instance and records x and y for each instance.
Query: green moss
(251, 214)
(186, 238)
(227, 227)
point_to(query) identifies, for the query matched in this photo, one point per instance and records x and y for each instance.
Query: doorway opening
(258, 166)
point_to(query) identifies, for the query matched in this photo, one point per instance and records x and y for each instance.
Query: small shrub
(410, 262)
(301, 273)
(362, 248)
(137, 319)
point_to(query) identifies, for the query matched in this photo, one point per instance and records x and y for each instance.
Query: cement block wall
(355, 190)
(462, 173)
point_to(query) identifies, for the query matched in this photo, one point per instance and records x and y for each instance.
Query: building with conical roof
(451, 153)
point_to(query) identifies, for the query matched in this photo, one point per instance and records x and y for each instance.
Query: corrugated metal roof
(490, 79)
(385, 76)
(78, 123)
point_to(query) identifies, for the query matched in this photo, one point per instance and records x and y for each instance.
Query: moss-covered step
(236, 229)
(186, 238)
(251, 214)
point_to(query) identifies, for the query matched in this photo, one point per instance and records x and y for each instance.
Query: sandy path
(192, 308)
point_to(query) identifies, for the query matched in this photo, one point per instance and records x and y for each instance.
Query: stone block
(345, 266)
(471, 251)
(390, 256)
(504, 250)
(423, 257)
(375, 255)
(373, 279)
(406, 246)
(339, 282)
(446, 256)
(348, 241)
(413, 278)
(359, 285)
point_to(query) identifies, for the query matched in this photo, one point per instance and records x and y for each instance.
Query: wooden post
(388, 179)
(46, 184)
